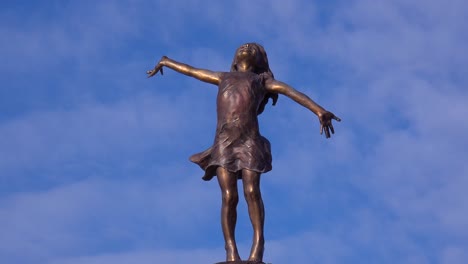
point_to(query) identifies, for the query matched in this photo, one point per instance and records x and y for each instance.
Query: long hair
(261, 68)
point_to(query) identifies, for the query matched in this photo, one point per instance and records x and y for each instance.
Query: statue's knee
(251, 193)
(230, 198)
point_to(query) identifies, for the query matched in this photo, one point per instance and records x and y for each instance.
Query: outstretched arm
(325, 117)
(200, 74)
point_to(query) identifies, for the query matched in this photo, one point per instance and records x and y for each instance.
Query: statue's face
(248, 53)
(250, 57)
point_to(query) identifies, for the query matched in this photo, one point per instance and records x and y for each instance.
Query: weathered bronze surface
(242, 262)
(239, 151)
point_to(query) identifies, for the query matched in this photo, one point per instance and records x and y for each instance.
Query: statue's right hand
(157, 68)
(154, 71)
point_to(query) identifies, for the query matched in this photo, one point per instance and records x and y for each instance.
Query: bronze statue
(239, 151)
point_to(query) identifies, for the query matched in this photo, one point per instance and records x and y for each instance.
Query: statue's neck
(245, 67)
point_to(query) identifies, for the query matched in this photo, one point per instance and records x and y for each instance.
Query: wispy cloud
(103, 215)
(105, 178)
(150, 256)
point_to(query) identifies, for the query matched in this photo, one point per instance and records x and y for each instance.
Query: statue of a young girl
(239, 151)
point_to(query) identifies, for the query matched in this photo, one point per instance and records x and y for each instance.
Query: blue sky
(94, 157)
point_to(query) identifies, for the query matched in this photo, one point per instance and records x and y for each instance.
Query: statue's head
(255, 55)
(252, 53)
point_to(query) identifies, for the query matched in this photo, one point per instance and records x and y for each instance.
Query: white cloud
(388, 187)
(149, 256)
(79, 32)
(96, 216)
(455, 254)
(92, 132)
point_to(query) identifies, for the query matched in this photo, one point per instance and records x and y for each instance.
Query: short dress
(238, 144)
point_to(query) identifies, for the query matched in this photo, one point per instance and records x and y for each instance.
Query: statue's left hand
(157, 68)
(326, 123)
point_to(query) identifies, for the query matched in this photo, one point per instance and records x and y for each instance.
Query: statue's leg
(253, 196)
(228, 183)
